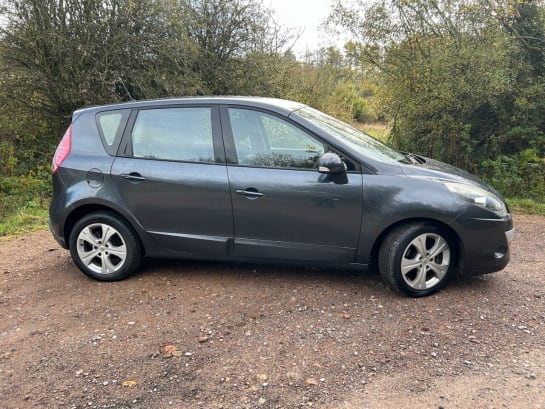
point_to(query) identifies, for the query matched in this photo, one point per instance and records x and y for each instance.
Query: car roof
(282, 106)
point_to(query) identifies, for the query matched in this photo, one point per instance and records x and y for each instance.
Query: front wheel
(417, 259)
(104, 247)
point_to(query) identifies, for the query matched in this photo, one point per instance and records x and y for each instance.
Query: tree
(450, 74)
(60, 55)
(63, 54)
(230, 34)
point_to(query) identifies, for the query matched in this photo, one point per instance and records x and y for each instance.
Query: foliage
(24, 201)
(61, 55)
(327, 81)
(526, 206)
(518, 175)
(461, 81)
(225, 33)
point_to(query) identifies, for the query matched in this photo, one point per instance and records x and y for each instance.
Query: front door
(282, 207)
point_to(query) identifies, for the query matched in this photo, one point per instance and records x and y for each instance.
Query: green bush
(520, 175)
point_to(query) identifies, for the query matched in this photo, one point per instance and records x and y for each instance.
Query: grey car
(269, 180)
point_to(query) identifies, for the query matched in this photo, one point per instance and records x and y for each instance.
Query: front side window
(178, 134)
(268, 141)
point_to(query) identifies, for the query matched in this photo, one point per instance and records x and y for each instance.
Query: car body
(262, 179)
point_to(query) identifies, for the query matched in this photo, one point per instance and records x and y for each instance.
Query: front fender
(391, 200)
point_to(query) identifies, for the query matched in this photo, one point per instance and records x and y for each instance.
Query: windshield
(358, 140)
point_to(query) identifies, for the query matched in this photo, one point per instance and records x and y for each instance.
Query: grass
(24, 221)
(24, 203)
(378, 130)
(526, 206)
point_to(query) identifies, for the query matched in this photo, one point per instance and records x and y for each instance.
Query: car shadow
(283, 275)
(181, 270)
(478, 283)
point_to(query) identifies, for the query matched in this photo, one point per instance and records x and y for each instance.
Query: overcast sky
(307, 15)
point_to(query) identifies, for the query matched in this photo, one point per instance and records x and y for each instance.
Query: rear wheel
(417, 259)
(104, 247)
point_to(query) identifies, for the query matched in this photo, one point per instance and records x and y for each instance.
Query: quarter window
(268, 141)
(111, 125)
(178, 134)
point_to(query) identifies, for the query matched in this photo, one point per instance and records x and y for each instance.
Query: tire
(104, 247)
(417, 259)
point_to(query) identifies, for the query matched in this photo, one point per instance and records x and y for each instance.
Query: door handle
(133, 177)
(250, 193)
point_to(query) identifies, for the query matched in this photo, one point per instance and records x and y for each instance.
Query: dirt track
(194, 334)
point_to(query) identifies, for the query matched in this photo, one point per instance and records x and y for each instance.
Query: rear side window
(178, 134)
(110, 126)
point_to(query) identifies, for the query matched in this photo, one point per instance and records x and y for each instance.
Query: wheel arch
(455, 238)
(88, 208)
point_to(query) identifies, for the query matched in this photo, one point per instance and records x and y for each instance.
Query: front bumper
(484, 244)
(510, 235)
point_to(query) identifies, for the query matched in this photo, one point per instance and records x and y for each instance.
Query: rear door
(283, 208)
(173, 178)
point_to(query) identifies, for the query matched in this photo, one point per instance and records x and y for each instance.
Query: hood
(427, 167)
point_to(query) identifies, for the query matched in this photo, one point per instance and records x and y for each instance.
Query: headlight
(479, 197)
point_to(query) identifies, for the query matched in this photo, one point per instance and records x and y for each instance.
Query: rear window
(110, 126)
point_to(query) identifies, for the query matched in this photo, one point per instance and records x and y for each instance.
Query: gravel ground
(213, 335)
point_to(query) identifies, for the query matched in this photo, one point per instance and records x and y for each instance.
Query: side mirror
(331, 163)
